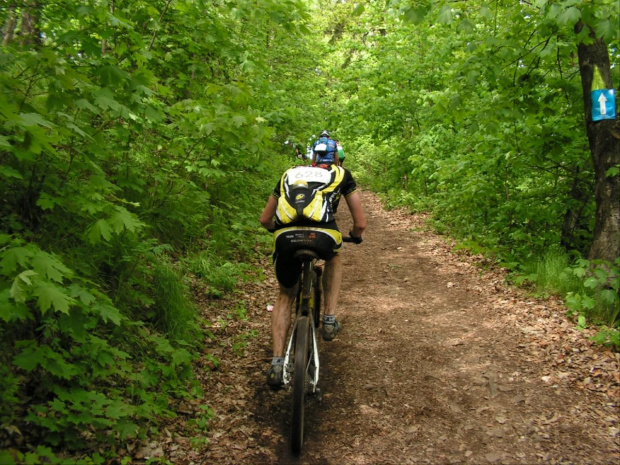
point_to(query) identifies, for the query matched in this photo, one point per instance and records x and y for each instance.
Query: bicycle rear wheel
(300, 382)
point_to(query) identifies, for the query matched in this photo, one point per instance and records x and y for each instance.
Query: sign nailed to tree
(603, 100)
(603, 104)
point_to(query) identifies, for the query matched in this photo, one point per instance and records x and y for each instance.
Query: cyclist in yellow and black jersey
(301, 210)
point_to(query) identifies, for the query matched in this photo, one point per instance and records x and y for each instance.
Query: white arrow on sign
(602, 100)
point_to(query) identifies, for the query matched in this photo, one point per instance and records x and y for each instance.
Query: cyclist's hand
(314, 165)
(356, 240)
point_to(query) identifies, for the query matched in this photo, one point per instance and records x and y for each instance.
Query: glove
(314, 165)
(356, 240)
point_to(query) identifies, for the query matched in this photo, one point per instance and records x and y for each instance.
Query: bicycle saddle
(305, 254)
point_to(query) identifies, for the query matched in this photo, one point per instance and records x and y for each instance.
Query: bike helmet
(325, 133)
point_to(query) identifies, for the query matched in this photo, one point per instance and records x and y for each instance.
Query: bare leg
(281, 318)
(332, 279)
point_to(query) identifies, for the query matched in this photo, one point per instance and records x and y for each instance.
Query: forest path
(438, 362)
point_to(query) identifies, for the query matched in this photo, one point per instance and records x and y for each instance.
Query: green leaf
(75, 324)
(10, 311)
(579, 272)
(47, 202)
(4, 142)
(118, 409)
(82, 294)
(570, 16)
(106, 102)
(29, 358)
(112, 74)
(613, 171)
(8, 172)
(485, 12)
(52, 296)
(606, 29)
(465, 25)
(25, 276)
(609, 296)
(122, 219)
(238, 120)
(581, 321)
(34, 119)
(13, 257)
(49, 266)
(358, 10)
(108, 313)
(587, 302)
(181, 357)
(100, 230)
(126, 428)
(11, 457)
(591, 283)
(77, 130)
(416, 14)
(446, 15)
(86, 105)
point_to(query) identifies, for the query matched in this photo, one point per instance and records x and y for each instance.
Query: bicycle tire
(300, 383)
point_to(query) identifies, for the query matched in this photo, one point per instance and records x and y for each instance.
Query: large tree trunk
(604, 139)
(9, 25)
(30, 32)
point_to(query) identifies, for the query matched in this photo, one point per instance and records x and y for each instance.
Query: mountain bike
(301, 360)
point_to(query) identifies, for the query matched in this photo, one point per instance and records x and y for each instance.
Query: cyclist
(322, 236)
(341, 155)
(325, 151)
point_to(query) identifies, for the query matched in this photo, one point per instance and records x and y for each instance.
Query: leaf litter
(440, 361)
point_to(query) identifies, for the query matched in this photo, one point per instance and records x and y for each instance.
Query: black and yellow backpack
(309, 194)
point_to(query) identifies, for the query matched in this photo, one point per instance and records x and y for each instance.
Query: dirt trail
(438, 362)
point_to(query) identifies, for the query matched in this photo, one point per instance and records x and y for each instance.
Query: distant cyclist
(341, 155)
(320, 234)
(325, 151)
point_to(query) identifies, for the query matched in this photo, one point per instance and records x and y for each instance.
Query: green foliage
(221, 276)
(474, 112)
(590, 289)
(599, 298)
(173, 312)
(550, 273)
(133, 136)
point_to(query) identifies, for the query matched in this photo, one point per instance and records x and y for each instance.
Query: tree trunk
(604, 139)
(575, 226)
(30, 33)
(9, 26)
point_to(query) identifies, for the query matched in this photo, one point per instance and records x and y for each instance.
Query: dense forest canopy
(140, 139)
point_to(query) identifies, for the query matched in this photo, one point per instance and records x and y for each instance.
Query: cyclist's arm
(357, 214)
(266, 218)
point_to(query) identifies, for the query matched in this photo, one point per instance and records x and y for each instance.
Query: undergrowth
(590, 289)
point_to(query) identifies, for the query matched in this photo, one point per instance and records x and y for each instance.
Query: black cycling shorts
(326, 242)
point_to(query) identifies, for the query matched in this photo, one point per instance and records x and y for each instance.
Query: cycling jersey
(323, 237)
